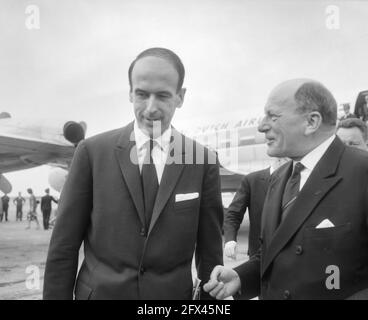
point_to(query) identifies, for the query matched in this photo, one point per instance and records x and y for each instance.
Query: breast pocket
(186, 205)
(322, 233)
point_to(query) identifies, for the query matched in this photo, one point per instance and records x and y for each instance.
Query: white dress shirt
(160, 150)
(311, 159)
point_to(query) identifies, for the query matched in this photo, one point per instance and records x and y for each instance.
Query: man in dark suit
(5, 201)
(46, 207)
(140, 210)
(250, 195)
(315, 217)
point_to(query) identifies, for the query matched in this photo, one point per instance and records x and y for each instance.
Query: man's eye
(140, 94)
(163, 96)
(273, 117)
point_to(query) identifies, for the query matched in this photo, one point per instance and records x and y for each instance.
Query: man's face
(154, 94)
(347, 110)
(283, 125)
(352, 137)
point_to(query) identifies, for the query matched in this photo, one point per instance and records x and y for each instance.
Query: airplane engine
(74, 132)
(57, 178)
(5, 185)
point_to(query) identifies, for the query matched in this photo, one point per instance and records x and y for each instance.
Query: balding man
(315, 216)
(353, 132)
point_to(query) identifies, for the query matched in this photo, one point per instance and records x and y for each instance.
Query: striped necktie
(291, 190)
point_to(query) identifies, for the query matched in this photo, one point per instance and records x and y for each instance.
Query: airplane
(26, 144)
(240, 148)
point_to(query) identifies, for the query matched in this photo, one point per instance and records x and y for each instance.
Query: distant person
(353, 132)
(19, 201)
(32, 214)
(5, 201)
(250, 195)
(363, 110)
(347, 113)
(46, 208)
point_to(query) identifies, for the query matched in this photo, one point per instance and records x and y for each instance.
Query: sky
(74, 66)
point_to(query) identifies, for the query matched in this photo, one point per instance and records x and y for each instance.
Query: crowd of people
(20, 202)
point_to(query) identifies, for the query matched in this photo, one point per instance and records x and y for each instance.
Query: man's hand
(230, 249)
(223, 283)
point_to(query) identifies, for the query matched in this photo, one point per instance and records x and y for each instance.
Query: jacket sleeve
(250, 276)
(71, 225)
(236, 211)
(209, 239)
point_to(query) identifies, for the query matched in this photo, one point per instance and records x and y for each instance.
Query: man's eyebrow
(139, 90)
(164, 92)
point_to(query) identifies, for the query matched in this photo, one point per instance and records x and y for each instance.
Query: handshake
(223, 283)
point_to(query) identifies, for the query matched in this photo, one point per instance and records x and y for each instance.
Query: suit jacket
(46, 202)
(293, 259)
(251, 194)
(102, 206)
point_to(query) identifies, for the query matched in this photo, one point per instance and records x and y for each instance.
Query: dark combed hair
(354, 123)
(165, 54)
(313, 96)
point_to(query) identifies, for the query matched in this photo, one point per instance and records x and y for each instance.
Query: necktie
(149, 182)
(291, 190)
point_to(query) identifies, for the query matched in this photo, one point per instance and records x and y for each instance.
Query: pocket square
(325, 224)
(186, 196)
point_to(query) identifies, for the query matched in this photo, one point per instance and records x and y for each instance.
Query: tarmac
(23, 255)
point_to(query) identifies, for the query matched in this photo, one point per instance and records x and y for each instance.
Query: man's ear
(131, 96)
(314, 121)
(181, 95)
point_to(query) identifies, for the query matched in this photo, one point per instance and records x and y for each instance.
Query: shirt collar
(311, 159)
(141, 138)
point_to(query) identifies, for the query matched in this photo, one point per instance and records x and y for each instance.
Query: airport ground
(23, 254)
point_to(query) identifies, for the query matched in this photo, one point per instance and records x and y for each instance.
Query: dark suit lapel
(171, 174)
(272, 207)
(265, 179)
(319, 183)
(125, 149)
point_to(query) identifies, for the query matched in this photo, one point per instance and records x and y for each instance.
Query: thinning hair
(354, 123)
(313, 96)
(165, 54)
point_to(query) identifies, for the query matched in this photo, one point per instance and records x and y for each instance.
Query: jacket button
(286, 294)
(142, 270)
(298, 250)
(143, 232)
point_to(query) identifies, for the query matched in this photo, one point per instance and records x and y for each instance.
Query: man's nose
(151, 104)
(263, 125)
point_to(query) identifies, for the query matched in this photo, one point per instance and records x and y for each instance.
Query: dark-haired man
(315, 216)
(46, 208)
(140, 215)
(353, 132)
